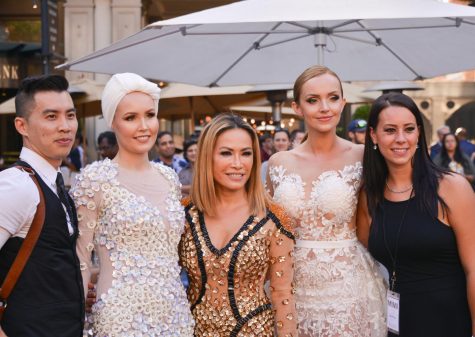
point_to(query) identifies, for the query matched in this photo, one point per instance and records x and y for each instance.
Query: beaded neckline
(235, 237)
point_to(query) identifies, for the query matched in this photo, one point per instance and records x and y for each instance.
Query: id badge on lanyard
(393, 298)
(393, 311)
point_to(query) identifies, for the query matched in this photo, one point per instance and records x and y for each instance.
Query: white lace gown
(134, 223)
(339, 288)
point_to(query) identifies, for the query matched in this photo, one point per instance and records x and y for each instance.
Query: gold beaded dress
(226, 289)
(134, 224)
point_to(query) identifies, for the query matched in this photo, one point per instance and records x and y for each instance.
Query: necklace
(402, 191)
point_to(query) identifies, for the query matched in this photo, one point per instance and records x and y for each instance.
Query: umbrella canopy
(394, 86)
(272, 41)
(8, 107)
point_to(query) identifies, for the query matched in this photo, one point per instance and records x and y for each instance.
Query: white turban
(122, 84)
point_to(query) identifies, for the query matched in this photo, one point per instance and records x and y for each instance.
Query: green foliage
(341, 131)
(362, 112)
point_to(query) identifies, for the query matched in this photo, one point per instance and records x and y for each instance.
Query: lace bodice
(323, 210)
(136, 238)
(226, 290)
(339, 291)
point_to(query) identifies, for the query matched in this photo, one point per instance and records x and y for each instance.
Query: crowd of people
(290, 234)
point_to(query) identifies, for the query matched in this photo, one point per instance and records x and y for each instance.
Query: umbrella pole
(320, 43)
(320, 56)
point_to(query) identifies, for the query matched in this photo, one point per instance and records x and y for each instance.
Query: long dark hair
(458, 156)
(425, 174)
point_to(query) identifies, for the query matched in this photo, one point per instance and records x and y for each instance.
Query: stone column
(126, 18)
(102, 30)
(78, 33)
(102, 39)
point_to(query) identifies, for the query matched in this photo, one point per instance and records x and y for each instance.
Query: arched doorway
(465, 116)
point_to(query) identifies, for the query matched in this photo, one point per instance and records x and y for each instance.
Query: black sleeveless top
(429, 274)
(48, 298)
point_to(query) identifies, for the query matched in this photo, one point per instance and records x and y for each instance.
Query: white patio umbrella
(272, 41)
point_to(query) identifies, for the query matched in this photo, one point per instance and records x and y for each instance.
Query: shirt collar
(40, 165)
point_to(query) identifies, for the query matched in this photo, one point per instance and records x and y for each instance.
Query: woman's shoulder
(453, 186)
(352, 149)
(286, 158)
(281, 219)
(161, 167)
(94, 179)
(279, 165)
(166, 171)
(99, 165)
(459, 197)
(191, 212)
(277, 158)
(100, 170)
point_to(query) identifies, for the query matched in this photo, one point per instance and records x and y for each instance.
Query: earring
(375, 147)
(417, 146)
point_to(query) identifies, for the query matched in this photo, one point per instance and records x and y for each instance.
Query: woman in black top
(419, 222)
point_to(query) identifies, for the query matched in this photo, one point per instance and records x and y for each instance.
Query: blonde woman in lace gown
(339, 291)
(235, 239)
(130, 214)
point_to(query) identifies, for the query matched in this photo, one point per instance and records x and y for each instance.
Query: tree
(362, 112)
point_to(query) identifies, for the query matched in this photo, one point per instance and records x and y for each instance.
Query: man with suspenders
(47, 299)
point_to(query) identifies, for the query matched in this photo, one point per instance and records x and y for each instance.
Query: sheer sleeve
(185, 202)
(268, 183)
(281, 274)
(86, 193)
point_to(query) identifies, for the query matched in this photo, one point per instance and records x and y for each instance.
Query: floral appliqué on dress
(146, 297)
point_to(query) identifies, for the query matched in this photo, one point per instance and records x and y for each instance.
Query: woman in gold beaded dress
(235, 239)
(129, 212)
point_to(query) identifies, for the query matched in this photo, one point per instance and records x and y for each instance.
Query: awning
(83, 91)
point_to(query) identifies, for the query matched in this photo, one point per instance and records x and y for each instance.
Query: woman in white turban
(130, 215)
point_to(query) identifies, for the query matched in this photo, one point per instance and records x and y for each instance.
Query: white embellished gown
(339, 288)
(134, 223)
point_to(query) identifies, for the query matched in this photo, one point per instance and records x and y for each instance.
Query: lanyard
(396, 248)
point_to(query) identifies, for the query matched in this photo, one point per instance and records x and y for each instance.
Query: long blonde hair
(203, 190)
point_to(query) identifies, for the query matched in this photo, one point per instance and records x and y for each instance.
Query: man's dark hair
(109, 135)
(163, 133)
(25, 97)
(263, 138)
